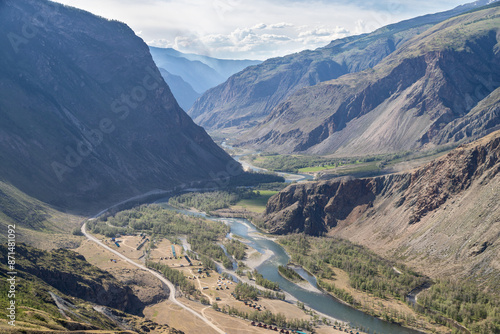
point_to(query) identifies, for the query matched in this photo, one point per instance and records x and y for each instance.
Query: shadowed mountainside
(87, 119)
(183, 92)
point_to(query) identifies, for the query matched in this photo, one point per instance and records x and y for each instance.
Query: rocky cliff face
(249, 96)
(439, 87)
(444, 215)
(87, 119)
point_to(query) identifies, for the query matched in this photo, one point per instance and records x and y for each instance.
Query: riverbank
(324, 305)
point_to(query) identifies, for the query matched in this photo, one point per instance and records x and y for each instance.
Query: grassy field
(354, 169)
(257, 204)
(315, 169)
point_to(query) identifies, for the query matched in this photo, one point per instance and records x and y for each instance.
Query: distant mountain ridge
(182, 91)
(86, 118)
(248, 97)
(199, 72)
(429, 92)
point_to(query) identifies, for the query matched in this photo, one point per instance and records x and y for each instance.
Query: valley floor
(149, 288)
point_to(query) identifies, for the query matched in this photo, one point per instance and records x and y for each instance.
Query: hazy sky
(257, 29)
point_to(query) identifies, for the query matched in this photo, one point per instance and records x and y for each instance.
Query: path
(171, 287)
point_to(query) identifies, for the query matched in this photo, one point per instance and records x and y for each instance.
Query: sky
(257, 29)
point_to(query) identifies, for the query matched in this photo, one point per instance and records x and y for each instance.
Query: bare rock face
(316, 207)
(435, 89)
(442, 215)
(398, 88)
(87, 119)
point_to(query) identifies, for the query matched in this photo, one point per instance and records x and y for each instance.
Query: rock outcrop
(442, 215)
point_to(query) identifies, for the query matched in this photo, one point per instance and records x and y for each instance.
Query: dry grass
(170, 314)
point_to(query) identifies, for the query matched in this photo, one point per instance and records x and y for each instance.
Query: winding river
(320, 302)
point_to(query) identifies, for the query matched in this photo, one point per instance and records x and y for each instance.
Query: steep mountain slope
(249, 96)
(405, 102)
(86, 117)
(182, 91)
(36, 223)
(442, 218)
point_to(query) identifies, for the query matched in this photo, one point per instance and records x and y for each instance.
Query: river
(289, 177)
(320, 302)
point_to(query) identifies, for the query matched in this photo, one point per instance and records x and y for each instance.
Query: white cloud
(280, 25)
(324, 32)
(322, 35)
(259, 26)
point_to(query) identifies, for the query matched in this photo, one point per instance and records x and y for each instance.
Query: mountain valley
(355, 187)
(82, 126)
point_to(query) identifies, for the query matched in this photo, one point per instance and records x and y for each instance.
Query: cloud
(280, 25)
(324, 32)
(255, 40)
(322, 35)
(259, 26)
